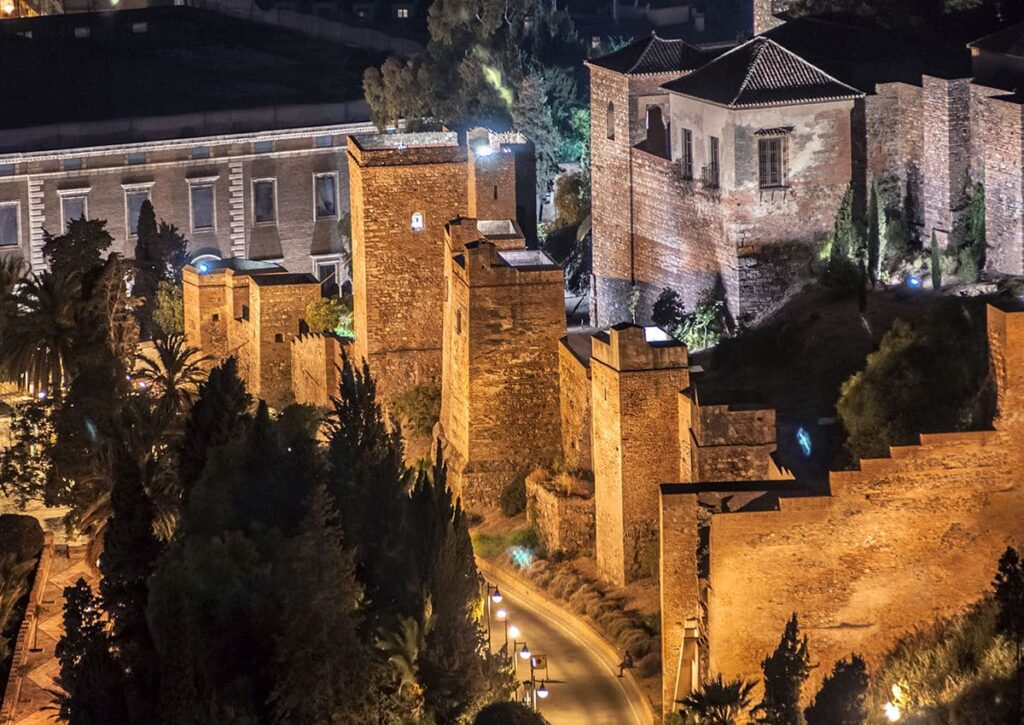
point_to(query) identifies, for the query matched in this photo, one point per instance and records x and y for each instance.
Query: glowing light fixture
(914, 282)
(803, 438)
(8, 8)
(892, 712)
(203, 267)
(524, 654)
(501, 614)
(513, 631)
(496, 597)
(483, 150)
(542, 691)
(42, 394)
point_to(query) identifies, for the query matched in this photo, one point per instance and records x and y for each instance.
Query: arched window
(417, 221)
(610, 120)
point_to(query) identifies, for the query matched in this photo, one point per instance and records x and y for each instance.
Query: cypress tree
(1009, 595)
(129, 556)
(874, 237)
(218, 414)
(369, 483)
(785, 671)
(91, 680)
(840, 701)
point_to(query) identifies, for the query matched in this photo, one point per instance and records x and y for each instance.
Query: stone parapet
(564, 519)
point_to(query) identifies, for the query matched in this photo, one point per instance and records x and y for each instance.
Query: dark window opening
(771, 157)
(278, 337)
(686, 157)
(610, 121)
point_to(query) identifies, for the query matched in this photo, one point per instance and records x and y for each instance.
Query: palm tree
(173, 374)
(40, 333)
(718, 702)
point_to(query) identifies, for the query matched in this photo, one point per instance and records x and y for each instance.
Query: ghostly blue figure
(804, 439)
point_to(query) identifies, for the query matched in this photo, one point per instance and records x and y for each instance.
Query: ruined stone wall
(731, 444)
(565, 522)
(1003, 128)
(946, 150)
(574, 399)
(634, 390)
(512, 321)
(316, 368)
(398, 272)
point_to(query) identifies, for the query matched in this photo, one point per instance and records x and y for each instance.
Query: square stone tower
(635, 387)
(504, 313)
(404, 189)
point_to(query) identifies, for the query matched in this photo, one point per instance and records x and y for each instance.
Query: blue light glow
(804, 439)
(914, 282)
(484, 150)
(203, 267)
(521, 556)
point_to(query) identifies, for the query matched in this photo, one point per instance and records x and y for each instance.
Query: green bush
(513, 497)
(419, 408)
(491, 546)
(169, 310)
(968, 266)
(331, 314)
(571, 200)
(926, 376)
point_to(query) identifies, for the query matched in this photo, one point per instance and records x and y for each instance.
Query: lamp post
(502, 616)
(537, 662)
(492, 595)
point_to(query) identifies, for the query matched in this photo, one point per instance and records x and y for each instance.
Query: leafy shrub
(571, 200)
(491, 546)
(169, 310)
(331, 314)
(936, 264)
(513, 497)
(926, 376)
(701, 328)
(419, 408)
(967, 270)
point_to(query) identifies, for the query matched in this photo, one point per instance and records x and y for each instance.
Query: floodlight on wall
(203, 267)
(914, 282)
(483, 149)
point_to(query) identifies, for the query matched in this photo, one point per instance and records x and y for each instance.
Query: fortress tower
(635, 387)
(504, 313)
(404, 189)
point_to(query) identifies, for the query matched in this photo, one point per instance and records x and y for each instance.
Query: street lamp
(513, 631)
(492, 595)
(542, 691)
(502, 616)
(524, 653)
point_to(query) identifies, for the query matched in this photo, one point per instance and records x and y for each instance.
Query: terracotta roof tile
(653, 55)
(761, 73)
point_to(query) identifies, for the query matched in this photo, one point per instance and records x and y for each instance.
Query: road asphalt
(581, 678)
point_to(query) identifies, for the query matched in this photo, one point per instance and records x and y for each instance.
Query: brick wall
(893, 127)
(634, 388)
(316, 368)
(730, 443)
(574, 403)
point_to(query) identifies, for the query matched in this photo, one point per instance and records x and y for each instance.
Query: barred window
(771, 154)
(687, 154)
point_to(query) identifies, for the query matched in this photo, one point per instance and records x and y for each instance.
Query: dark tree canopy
(80, 248)
(785, 671)
(840, 701)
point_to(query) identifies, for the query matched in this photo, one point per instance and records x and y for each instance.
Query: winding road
(583, 685)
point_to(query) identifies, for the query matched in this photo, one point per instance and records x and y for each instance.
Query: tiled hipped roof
(653, 55)
(761, 73)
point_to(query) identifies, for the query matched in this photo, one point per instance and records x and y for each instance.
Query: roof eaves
(770, 104)
(832, 78)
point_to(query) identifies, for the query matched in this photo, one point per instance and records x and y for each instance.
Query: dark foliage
(785, 671)
(840, 701)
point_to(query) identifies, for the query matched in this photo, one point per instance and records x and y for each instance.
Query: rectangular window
(711, 171)
(323, 142)
(201, 197)
(7, 169)
(142, 27)
(72, 207)
(687, 154)
(133, 199)
(136, 157)
(327, 271)
(82, 32)
(201, 152)
(771, 156)
(326, 196)
(264, 202)
(403, 12)
(263, 147)
(9, 225)
(72, 164)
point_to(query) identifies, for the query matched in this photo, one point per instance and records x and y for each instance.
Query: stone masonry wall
(898, 543)
(894, 135)
(634, 388)
(574, 399)
(731, 444)
(565, 522)
(512, 319)
(1004, 190)
(398, 272)
(316, 368)
(277, 312)
(946, 158)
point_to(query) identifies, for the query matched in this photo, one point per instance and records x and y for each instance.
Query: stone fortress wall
(892, 546)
